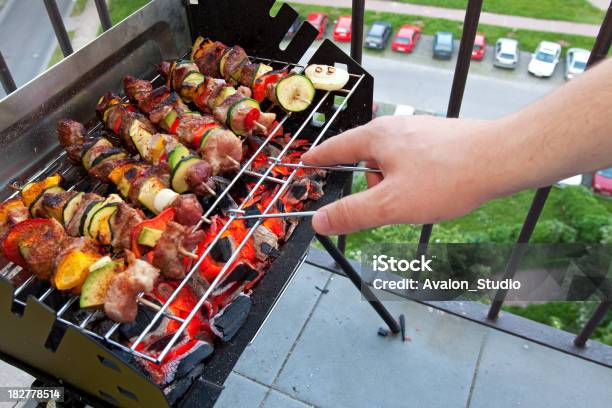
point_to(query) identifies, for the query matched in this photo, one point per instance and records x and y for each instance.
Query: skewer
(276, 215)
(148, 303)
(254, 173)
(191, 255)
(303, 100)
(209, 189)
(332, 168)
(260, 126)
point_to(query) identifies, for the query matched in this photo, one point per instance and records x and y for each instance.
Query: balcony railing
(470, 24)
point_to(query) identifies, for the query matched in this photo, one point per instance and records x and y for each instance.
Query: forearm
(565, 133)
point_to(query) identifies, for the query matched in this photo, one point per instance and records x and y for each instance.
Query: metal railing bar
(104, 15)
(598, 52)
(251, 231)
(8, 83)
(591, 325)
(468, 35)
(357, 21)
(58, 26)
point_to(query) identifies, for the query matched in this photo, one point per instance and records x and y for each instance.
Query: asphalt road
(417, 79)
(27, 38)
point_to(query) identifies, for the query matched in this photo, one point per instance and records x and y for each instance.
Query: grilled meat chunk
(168, 255)
(222, 149)
(72, 137)
(40, 258)
(122, 223)
(11, 212)
(188, 209)
(120, 303)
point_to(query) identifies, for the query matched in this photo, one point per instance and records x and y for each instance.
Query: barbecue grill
(48, 336)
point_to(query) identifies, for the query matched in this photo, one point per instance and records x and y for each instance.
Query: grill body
(161, 30)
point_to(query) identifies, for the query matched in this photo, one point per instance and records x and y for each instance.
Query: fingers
(355, 212)
(372, 178)
(349, 147)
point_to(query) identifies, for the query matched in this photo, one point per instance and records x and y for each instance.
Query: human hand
(432, 170)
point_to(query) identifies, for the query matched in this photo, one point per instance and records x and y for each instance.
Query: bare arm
(436, 169)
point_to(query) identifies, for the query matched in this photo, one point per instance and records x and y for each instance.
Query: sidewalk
(502, 20)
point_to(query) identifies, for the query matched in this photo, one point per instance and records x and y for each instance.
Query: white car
(506, 53)
(404, 110)
(575, 62)
(545, 59)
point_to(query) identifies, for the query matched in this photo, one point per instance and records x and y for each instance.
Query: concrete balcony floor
(321, 349)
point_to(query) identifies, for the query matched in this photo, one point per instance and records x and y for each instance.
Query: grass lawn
(570, 10)
(120, 9)
(528, 40)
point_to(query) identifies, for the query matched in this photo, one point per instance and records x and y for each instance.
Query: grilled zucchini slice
(178, 181)
(295, 93)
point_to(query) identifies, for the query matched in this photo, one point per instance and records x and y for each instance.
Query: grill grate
(57, 165)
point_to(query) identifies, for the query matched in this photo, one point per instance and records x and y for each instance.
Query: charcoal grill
(44, 336)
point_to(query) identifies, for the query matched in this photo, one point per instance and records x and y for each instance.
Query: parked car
(378, 35)
(404, 110)
(406, 38)
(480, 45)
(506, 53)
(443, 45)
(294, 28)
(602, 181)
(575, 62)
(319, 21)
(545, 59)
(342, 31)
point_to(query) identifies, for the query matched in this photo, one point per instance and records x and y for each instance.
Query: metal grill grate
(58, 165)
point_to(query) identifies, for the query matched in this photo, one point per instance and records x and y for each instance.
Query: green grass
(568, 10)
(57, 55)
(120, 9)
(78, 8)
(528, 39)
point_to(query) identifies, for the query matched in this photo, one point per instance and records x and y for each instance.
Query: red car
(406, 38)
(602, 181)
(342, 31)
(480, 44)
(319, 21)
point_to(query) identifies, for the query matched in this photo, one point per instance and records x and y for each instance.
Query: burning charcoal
(269, 250)
(229, 320)
(266, 243)
(241, 273)
(193, 359)
(103, 327)
(222, 251)
(143, 318)
(175, 391)
(84, 314)
(299, 190)
(252, 210)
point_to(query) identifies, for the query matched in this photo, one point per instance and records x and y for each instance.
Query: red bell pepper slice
(261, 83)
(160, 222)
(251, 117)
(117, 124)
(26, 232)
(174, 126)
(198, 133)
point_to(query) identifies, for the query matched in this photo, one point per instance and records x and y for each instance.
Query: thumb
(352, 213)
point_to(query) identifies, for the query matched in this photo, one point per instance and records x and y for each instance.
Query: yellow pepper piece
(31, 191)
(73, 270)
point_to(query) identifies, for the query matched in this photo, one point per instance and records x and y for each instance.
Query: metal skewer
(332, 168)
(277, 215)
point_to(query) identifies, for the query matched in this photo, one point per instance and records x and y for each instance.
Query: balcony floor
(322, 350)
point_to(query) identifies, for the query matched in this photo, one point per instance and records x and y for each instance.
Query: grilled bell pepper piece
(23, 236)
(31, 191)
(159, 223)
(73, 270)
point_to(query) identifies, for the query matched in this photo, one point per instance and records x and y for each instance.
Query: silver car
(575, 62)
(506, 53)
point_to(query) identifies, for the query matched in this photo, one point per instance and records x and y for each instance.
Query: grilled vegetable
(73, 269)
(239, 122)
(36, 205)
(99, 228)
(179, 181)
(163, 199)
(177, 155)
(158, 223)
(149, 236)
(326, 77)
(31, 191)
(21, 237)
(295, 93)
(101, 273)
(71, 207)
(148, 191)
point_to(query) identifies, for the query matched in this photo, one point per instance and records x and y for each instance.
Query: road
(418, 80)
(27, 38)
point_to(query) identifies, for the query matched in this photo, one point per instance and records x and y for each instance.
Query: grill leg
(359, 283)
(592, 324)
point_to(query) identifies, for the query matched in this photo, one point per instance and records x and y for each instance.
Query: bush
(587, 215)
(553, 232)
